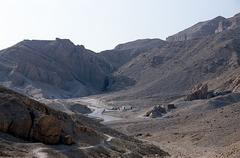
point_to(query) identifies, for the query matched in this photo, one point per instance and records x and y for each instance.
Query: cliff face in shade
(53, 69)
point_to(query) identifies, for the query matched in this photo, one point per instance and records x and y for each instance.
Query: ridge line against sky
(101, 25)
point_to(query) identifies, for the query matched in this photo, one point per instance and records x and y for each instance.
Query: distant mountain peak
(64, 40)
(237, 15)
(206, 28)
(219, 18)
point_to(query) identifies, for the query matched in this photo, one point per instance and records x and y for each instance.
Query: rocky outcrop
(17, 118)
(235, 84)
(47, 129)
(199, 91)
(159, 110)
(14, 118)
(156, 111)
(31, 120)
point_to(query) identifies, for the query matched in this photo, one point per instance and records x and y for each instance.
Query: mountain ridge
(206, 28)
(60, 69)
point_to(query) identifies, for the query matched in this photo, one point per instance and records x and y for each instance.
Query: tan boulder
(47, 129)
(14, 118)
(156, 111)
(199, 91)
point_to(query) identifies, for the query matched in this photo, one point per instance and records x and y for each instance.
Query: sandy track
(98, 109)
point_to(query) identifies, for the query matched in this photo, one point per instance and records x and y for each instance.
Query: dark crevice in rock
(32, 115)
(9, 126)
(106, 84)
(46, 111)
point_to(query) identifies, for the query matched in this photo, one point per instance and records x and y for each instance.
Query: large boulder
(31, 120)
(47, 129)
(199, 91)
(156, 111)
(14, 118)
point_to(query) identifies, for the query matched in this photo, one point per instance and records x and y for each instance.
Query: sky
(102, 24)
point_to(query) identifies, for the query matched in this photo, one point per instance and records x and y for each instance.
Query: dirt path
(98, 109)
(38, 153)
(109, 138)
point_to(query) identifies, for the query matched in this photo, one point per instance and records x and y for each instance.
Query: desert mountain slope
(171, 70)
(55, 68)
(60, 69)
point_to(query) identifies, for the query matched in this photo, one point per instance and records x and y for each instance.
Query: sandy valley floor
(196, 129)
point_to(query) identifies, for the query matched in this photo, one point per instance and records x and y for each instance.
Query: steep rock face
(53, 68)
(206, 28)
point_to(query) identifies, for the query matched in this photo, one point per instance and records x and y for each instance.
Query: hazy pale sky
(102, 24)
